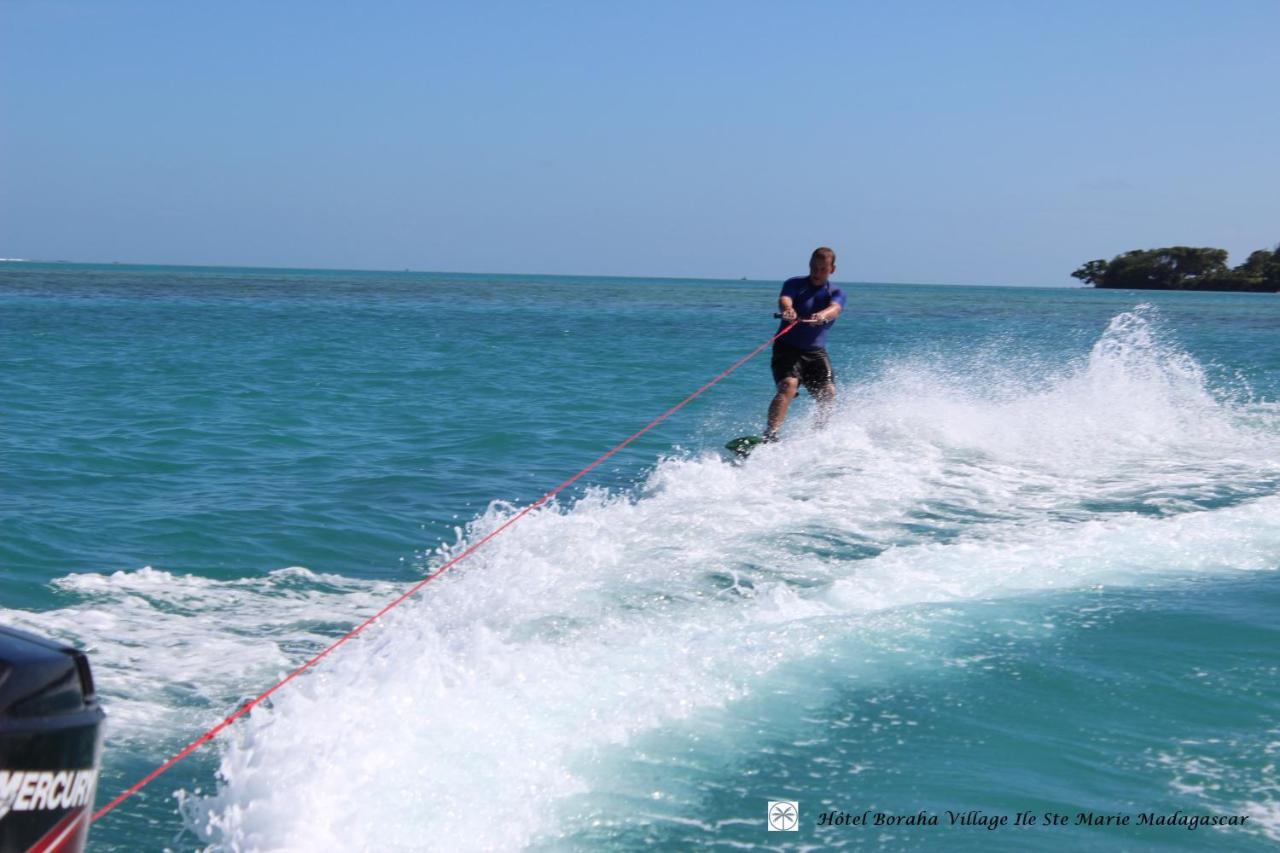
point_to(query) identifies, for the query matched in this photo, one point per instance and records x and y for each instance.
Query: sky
(932, 142)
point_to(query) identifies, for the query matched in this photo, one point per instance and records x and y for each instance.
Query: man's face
(821, 268)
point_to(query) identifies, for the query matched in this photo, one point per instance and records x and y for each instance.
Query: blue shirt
(808, 300)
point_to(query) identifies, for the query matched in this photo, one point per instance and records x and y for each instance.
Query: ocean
(1020, 594)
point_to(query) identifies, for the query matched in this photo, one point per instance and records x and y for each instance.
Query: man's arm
(831, 312)
(787, 308)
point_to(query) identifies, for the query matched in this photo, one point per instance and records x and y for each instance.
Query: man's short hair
(820, 252)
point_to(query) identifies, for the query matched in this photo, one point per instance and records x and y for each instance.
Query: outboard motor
(50, 745)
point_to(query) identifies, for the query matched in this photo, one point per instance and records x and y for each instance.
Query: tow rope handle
(778, 316)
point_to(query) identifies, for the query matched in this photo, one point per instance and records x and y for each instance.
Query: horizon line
(410, 271)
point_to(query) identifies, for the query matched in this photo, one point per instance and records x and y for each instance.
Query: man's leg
(820, 381)
(778, 408)
(826, 398)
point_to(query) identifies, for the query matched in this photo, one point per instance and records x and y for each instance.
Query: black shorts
(811, 366)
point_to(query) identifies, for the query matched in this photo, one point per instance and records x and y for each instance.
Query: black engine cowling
(50, 745)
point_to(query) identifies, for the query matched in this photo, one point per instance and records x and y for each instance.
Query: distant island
(1185, 268)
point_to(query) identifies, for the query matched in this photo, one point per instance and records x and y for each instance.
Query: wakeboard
(743, 445)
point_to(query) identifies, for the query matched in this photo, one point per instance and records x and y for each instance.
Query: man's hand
(789, 314)
(826, 315)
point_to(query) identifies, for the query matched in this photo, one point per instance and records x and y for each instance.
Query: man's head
(822, 263)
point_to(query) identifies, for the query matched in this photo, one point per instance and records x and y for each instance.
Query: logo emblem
(784, 816)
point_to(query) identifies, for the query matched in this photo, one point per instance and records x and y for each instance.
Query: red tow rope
(250, 705)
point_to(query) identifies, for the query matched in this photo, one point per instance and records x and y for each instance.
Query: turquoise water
(1029, 566)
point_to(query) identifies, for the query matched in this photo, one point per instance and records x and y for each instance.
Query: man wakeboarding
(800, 356)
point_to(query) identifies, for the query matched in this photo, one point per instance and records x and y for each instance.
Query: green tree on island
(1184, 268)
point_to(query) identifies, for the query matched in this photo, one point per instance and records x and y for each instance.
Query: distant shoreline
(1201, 268)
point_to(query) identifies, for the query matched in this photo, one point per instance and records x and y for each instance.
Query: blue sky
(973, 143)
